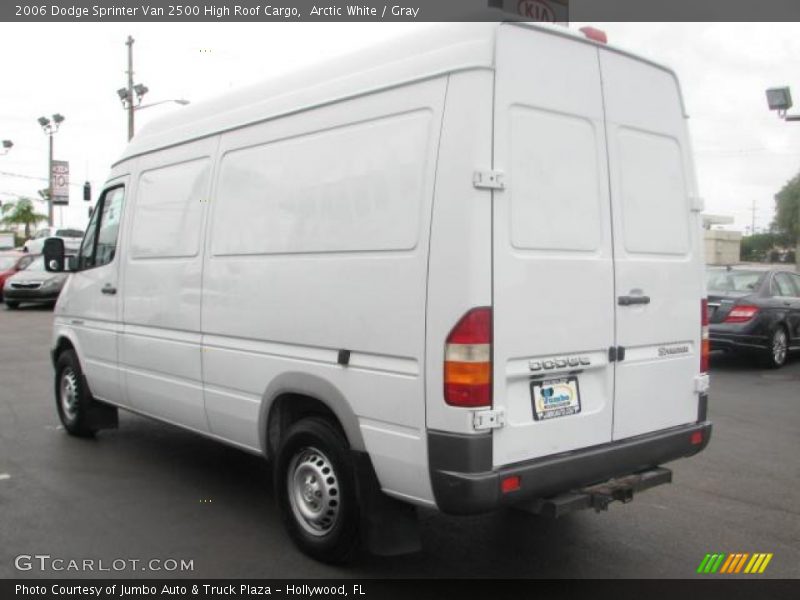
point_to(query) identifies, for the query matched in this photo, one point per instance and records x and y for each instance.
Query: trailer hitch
(599, 496)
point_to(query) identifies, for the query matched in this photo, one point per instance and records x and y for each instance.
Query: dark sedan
(754, 311)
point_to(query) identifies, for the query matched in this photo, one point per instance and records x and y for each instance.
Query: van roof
(431, 51)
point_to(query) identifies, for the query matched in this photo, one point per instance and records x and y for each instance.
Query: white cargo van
(461, 270)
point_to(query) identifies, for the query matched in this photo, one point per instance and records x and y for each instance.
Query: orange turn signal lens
(467, 373)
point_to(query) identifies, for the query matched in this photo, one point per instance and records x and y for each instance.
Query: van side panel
(318, 242)
(460, 266)
(162, 263)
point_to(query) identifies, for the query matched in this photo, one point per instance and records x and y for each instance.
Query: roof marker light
(595, 34)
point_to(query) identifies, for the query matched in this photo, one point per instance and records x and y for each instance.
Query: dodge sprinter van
(462, 270)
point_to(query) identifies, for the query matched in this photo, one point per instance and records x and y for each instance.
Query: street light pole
(50, 127)
(129, 43)
(780, 100)
(50, 181)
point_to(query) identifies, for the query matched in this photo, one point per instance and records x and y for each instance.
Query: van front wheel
(72, 397)
(315, 486)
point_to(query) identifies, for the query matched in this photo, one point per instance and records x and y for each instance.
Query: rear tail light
(705, 343)
(741, 314)
(468, 360)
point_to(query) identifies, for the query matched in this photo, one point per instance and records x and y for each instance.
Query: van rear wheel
(73, 399)
(315, 486)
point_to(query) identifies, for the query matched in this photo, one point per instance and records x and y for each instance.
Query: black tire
(12, 304)
(315, 451)
(777, 351)
(73, 399)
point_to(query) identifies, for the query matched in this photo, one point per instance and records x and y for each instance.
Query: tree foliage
(22, 212)
(787, 208)
(787, 212)
(756, 248)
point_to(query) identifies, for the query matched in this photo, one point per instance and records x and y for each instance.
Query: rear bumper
(737, 341)
(465, 483)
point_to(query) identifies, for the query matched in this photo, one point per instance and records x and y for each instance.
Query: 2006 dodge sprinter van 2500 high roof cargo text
(461, 270)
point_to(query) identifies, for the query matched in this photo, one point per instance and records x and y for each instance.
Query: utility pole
(753, 222)
(129, 44)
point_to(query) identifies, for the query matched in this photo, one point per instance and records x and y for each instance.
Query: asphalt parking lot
(149, 490)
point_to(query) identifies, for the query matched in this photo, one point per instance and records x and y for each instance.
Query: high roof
(431, 51)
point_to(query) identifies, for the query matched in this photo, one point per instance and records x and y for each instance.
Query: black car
(756, 311)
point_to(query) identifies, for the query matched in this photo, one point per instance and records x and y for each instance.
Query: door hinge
(616, 353)
(488, 419)
(488, 180)
(701, 383)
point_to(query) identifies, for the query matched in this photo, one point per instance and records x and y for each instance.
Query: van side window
(356, 187)
(167, 220)
(100, 243)
(86, 253)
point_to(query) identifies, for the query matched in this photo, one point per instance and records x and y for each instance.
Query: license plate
(553, 398)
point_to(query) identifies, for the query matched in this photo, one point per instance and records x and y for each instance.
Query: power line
(21, 176)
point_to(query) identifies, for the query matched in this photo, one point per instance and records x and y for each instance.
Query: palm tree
(22, 212)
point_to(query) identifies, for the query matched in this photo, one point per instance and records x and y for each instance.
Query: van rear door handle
(630, 300)
(109, 289)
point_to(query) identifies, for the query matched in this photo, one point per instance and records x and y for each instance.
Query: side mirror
(53, 251)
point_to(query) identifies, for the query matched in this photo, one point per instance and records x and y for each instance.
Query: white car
(72, 239)
(462, 271)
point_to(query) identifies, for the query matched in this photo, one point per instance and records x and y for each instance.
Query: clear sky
(744, 153)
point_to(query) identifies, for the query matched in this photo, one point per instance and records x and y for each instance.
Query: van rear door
(658, 261)
(553, 279)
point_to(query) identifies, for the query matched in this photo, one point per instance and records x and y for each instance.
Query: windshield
(70, 233)
(37, 264)
(733, 281)
(7, 262)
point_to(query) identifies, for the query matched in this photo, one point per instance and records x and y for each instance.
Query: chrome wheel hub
(313, 491)
(68, 389)
(779, 346)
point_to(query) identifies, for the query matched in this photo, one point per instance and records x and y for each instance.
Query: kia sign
(59, 182)
(549, 11)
